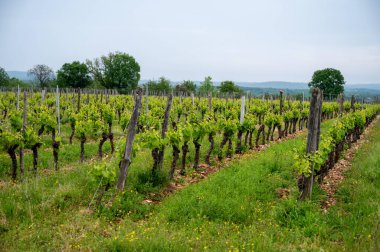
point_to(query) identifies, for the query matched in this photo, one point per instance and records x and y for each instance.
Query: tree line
(121, 71)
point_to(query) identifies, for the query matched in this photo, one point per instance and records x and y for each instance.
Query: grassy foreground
(235, 209)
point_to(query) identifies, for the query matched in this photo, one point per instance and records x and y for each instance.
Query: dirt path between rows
(335, 176)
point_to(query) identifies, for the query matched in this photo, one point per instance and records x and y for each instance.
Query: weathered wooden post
(55, 143)
(281, 102)
(279, 127)
(305, 181)
(249, 100)
(341, 100)
(242, 107)
(353, 103)
(146, 99)
(192, 99)
(43, 91)
(209, 101)
(131, 133)
(303, 100)
(18, 97)
(78, 105)
(271, 102)
(22, 132)
(164, 129)
(58, 114)
(73, 98)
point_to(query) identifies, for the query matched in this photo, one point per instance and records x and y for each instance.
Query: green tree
(42, 74)
(162, 85)
(207, 85)
(74, 75)
(229, 87)
(4, 78)
(116, 70)
(186, 86)
(14, 82)
(329, 80)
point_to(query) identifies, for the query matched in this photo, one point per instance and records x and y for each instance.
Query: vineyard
(130, 152)
(178, 123)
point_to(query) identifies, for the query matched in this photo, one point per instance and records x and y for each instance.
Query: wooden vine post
(18, 97)
(271, 102)
(146, 100)
(22, 132)
(281, 101)
(43, 91)
(164, 129)
(78, 106)
(353, 103)
(58, 114)
(55, 143)
(209, 101)
(131, 133)
(303, 100)
(242, 107)
(341, 100)
(279, 127)
(305, 182)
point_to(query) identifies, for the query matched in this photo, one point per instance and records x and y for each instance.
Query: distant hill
(302, 85)
(364, 86)
(274, 84)
(21, 75)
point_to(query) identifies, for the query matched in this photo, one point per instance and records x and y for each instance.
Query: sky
(240, 40)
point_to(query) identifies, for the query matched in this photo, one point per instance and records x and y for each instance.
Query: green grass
(236, 207)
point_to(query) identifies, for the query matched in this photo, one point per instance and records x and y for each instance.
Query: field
(240, 196)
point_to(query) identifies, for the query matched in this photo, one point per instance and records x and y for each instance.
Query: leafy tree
(329, 80)
(116, 70)
(229, 87)
(186, 86)
(74, 75)
(4, 78)
(14, 82)
(207, 85)
(42, 74)
(163, 85)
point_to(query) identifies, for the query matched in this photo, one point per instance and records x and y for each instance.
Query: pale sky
(240, 40)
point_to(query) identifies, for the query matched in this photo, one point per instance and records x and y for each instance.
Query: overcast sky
(240, 40)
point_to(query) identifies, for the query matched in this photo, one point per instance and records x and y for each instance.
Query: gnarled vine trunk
(238, 143)
(208, 156)
(72, 125)
(55, 145)
(185, 150)
(102, 141)
(174, 162)
(224, 141)
(197, 146)
(156, 160)
(35, 156)
(12, 153)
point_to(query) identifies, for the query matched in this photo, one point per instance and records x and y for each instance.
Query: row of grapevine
(190, 121)
(323, 151)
